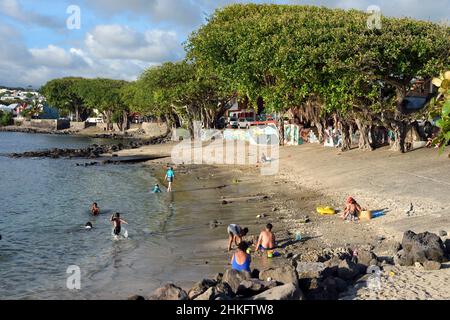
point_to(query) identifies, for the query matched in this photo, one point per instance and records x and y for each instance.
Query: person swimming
(117, 223)
(266, 240)
(241, 260)
(88, 226)
(95, 210)
(156, 189)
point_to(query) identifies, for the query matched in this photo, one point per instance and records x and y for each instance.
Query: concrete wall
(154, 129)
(47, 124)
(80, 125)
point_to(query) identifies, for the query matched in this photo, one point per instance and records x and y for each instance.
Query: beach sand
(311, 176)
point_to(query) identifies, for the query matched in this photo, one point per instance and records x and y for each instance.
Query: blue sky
(120, 38)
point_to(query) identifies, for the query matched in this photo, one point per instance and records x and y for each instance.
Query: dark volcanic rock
(251, 287)
(234, 278)
(348, 270)
(200, 287)
(420, 248)
(169, 292)
(283, 275)
(285, 292)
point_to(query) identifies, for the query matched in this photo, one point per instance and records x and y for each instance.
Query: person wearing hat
(352, 210)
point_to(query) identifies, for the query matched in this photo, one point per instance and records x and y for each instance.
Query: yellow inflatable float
(326, 211)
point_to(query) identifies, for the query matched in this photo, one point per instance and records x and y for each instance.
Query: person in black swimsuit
(117, 223)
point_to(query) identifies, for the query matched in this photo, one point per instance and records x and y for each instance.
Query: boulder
(310, 269)
(432, 265)
(200, 287)
(327, 290)
(234, 278)
(366, 257)
(285, 292)
(169, 292)
(347, 270)
(252, 287)
(421, 247)
(447, 247)
(443, 233)
(222, 291)
(283, 275)
(402, 258)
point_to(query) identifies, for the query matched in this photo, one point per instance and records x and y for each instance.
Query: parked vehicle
(233, 123)
(95, 120)
(245, 123)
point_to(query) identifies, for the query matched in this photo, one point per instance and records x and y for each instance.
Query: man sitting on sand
(266, 240)
(235, 233)
(352, 210)
(95, 210)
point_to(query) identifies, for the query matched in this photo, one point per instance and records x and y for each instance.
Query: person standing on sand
(235, 233)
(170, 175)
(266, 240)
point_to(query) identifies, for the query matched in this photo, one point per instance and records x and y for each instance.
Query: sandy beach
(311, 176)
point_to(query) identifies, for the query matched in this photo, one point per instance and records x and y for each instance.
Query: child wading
(170, 175)
(117, 224)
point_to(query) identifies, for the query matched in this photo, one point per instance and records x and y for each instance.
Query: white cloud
(115, 52)
(12, 9)
(121, 42)
(180, 12)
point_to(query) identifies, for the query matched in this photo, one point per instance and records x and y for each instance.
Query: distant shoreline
(68, 132)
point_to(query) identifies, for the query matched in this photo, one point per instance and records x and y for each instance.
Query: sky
(45, 39)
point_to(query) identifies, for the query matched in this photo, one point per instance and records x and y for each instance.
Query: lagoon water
(44, 205)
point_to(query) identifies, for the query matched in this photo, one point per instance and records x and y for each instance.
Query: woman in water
(241, 259)
(117, 223)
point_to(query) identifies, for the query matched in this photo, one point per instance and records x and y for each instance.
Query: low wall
(154, 129)
(78, 125)
(47, 124)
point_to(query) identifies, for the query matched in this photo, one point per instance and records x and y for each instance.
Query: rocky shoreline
(92, 152)
(326, 274)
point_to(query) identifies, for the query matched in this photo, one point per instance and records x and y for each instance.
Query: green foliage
(291, 54)
(6, 118)
(443, 105)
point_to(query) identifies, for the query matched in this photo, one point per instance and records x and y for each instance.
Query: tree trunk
(125, 122)
(77, 114)
(321, 131)
(281, 130)
(364, 132)
(400, 129)
(346, 140)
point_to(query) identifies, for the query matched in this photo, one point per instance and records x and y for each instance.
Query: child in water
(170, 175)
(117, 223)
(156, 189)
(95, 210)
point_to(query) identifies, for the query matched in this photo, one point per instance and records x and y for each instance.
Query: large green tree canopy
(319, 60)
